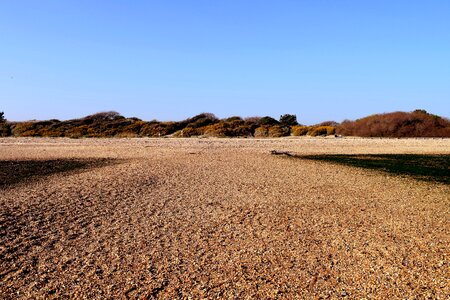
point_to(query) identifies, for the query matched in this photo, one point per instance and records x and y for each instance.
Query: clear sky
(168, 60)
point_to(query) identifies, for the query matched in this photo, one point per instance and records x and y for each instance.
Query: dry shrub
(328, 123)
(30, 133)
(131, 129)
(21, 129)
(299, 130)
(262, 131)
(50, 133)
(278, 131)
(271, 131)
(112, 124)
(217, 130)
(77, 132)
(188, 132)
(109, 124)
(331, 130)
(106, 124)
(234, 128)
(244, 130)
(418, 123)
(322, 130)
(156, 129)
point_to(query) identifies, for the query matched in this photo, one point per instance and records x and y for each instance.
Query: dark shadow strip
(433, 168)
(18, 171)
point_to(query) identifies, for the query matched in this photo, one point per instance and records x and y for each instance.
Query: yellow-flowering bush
(262, 131)
(299, 130)
(322, 130)
(278, 131)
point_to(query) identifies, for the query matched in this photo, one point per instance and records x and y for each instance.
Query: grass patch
(435, 168)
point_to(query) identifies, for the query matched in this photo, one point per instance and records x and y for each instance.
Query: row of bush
(418, 123)
(112, 124)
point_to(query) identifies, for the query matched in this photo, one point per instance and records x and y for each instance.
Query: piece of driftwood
(275, 152)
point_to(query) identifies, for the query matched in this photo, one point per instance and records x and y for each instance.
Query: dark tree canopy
(2, 116)
(200, 120)
(288, 120)
(105, 116)
(233, 118)
(267, 121)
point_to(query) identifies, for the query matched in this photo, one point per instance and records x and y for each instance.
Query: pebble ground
(217, 219)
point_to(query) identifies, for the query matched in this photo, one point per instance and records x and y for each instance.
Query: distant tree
(105, 116)
(328, 123)
(5, 128)
(233, 118)
(200, 120)
(252, 119)
(420, 111)
(288, 120)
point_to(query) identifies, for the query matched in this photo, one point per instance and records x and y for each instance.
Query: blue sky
(168, 60)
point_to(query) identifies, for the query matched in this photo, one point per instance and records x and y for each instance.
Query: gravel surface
(218, 218)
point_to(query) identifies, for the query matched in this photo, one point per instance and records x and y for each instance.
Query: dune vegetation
(418, 123)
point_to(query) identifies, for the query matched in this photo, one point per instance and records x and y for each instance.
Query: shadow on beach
(18, 171)
(435, 168)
